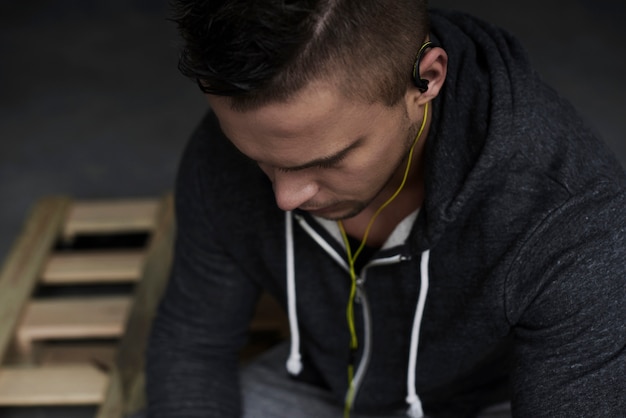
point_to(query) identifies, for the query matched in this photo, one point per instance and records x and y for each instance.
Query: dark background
(92, 105)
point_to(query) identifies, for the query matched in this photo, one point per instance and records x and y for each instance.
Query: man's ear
(433, 68)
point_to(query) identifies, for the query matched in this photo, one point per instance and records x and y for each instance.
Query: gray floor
(91, 104)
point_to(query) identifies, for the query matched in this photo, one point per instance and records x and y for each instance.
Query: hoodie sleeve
(192, 362)
(567, 305)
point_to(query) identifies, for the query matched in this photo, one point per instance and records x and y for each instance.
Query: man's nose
(293, 189)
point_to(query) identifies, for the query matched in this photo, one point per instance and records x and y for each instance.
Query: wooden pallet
(74, 320)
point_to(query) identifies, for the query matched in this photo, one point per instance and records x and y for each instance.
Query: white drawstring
(294, 362)
(415, 404)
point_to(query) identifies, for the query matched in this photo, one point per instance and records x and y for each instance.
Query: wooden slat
(54, 385)
(71, 318)
(93, 267)
(113, 404)
(127, 384)
(111, 216)
(25, 262)
(100, 354)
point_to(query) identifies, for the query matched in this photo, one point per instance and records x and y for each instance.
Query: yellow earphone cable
(352, 261)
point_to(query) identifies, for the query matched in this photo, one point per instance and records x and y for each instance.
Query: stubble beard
(360, 206)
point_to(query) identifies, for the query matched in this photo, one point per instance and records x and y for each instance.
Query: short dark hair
(262, 51)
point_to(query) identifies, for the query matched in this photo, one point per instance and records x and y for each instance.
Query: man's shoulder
(214, 174)
(210, 155)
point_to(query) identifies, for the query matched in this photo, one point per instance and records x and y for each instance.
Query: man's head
(319, 93)
(264, 51)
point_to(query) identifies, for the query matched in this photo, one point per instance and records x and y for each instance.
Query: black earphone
(421, 83)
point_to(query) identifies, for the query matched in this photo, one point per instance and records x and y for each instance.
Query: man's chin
(337, 212)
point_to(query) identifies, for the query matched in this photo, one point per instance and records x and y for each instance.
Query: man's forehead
(317, 108)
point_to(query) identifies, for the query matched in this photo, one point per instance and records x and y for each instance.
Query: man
(444, 232)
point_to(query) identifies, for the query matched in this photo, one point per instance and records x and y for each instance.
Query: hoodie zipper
(361, 298)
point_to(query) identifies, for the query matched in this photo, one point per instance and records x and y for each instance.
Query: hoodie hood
(493, 115)
(488, 85)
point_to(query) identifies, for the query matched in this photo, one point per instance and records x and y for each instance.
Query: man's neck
(408, 200)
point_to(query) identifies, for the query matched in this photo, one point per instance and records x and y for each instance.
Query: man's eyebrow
(328, 160)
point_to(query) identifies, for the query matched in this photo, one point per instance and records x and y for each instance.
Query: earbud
(420, 83)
